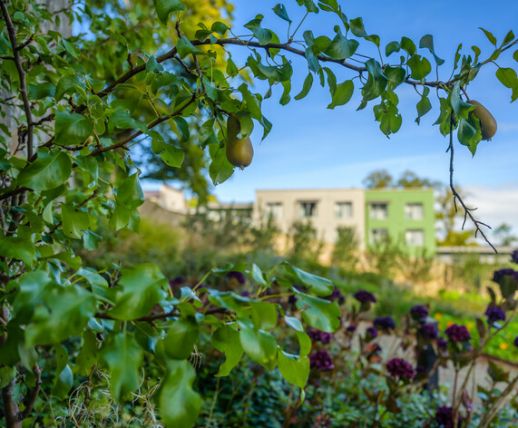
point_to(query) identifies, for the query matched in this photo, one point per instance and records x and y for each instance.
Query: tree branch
(10, 407)
(161, 316)
(31, 397)
(21, 74)
(135, 134)
(457, 198)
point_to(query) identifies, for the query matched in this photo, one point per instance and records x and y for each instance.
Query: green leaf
(220, 169)
(308, 82)
(341, 47)
(259, 345)
(489, 36)
(426, 42)
(138, 291)
(468, 135)
(508, 37)
(123, 356)
(75, 222)
(423, 106)
(408, 45)
(184, 47)
(258, 277)
(226, 340)
(264, 315)
(293, 368)
(178, 404)
(165, 7)
(72, 303)
(392, 47)
(515, 55)
(419, 66)
(342, 95)
(48, 171)
(357, 27)
(319, 285)
(507, 77)
(281, 12)
(318, 313)
(72, 129)
(181, 338)
(172, 156)
(17, 248)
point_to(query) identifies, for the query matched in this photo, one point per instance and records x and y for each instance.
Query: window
(379, 211)
(274, 210)
(307, 209)
(414, 237)
(343, 209)
(414, 211)
(378, 235)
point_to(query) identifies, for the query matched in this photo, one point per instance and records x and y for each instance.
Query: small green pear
(239, 151)
(487, 121)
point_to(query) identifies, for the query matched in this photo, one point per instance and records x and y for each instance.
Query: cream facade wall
(331, 210)
(171, 199)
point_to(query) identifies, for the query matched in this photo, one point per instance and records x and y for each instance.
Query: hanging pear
(239, 151)
(487, 121)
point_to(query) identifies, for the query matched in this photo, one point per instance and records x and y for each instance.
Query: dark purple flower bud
(338, 296)
(400, 369)
(292, 300)
(458, 333)
(321, 360)
(428, 331)
(319, 336)
(444, 417)
(516, 341)
(371, 333)
(494, 314)
(245, 293)
(419, 312)
(385, 323)
(503, 275)
(176, 282)
(514, 256)
(364, 297)
(239, 277)
(351, 328)
(442, 344)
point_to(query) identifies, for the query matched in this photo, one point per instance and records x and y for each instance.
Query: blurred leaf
(165, 7)
(293, 368)
(226, 340)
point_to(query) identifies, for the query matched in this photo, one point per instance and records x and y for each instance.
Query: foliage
(345, 250)
(147, 75)
(304, 242)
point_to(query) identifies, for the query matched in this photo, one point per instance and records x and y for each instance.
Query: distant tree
(378, 179)
(504, 235)
(304, 242)
(345, 251)
(409, 180)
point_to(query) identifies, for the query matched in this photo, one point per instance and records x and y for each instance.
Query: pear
(239, 151)
(487, 121)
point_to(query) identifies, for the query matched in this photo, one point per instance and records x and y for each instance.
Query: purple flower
(364, 297)
(239, 277)
(516, 341)
(371, 333)
(444, 417)
(502, 275)
(321, 360)
(351, 328)
(400, 369)
(428, 331)
(419, 312)
(176, 282)
(320, 336)
(494, 314)
(442, 343)
(385, 323)
(458, 333)
(338, 296)
(514, 256)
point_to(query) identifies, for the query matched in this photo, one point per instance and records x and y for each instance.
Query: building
(326, 209)
(405, 215)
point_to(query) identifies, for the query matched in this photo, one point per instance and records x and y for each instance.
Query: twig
(21, 74)
(135, 134)
(457, 198)
(31, 397)
(10, 407)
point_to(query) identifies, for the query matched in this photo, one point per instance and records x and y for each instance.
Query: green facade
(406, 216)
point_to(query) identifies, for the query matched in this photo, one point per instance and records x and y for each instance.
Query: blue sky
(311, 146)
